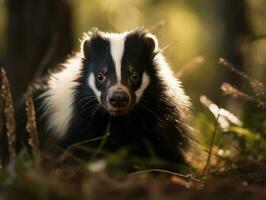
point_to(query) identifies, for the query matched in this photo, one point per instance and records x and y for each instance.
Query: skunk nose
(119, 99)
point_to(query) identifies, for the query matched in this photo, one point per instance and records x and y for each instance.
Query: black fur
(158, 121)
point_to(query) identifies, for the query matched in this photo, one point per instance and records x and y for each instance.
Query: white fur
(174, 87)
(58, 99)
(144, 84)
(92, 85)
(117, 44)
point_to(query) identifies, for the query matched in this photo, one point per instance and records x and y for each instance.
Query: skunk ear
(151, 42)
(85, 44)
(86, 41)
(85, 47)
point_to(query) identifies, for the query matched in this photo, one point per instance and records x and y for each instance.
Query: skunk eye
(100, 77)
(134, 73)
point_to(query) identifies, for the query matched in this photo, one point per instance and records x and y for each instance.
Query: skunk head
(114, 72)
(117, 67)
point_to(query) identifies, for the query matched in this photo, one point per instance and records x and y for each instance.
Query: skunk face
(117, 68)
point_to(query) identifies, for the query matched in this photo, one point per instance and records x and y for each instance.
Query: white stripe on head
(144, 84)
(92, 85)
(117, 45)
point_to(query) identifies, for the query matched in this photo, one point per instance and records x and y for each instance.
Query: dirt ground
(245, 182)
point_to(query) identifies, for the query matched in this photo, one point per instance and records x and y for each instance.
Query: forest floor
(245, 180)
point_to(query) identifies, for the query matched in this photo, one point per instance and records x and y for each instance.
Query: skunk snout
(119, 99)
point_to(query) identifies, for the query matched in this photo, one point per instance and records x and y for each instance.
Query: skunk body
(118, 83)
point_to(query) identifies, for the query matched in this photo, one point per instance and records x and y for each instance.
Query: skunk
(118, 83)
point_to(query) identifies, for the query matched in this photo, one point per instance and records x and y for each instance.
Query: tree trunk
(39, 37)
(233, 15)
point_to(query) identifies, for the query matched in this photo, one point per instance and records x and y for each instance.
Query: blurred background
(36, 35)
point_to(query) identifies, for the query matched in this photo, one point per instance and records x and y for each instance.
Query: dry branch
(9, 114)
(190, 66)
(157, 25)
(167, 46)
(258, 87)
(230, 90)
(1, 114)
(1, 124)
(31, 126)
(185, 177)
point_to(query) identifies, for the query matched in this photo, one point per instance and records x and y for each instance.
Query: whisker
(154, 114)
(86, 98)
(102, 109)
(98, 107)
(88, 102)
(145, 100)
(141, 121)
(85, 109)
(94, 112)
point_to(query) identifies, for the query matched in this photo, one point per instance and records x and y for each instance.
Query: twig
(221, 157)
(60, 160)
(46, 58)
(76, 145)
(31, 126)
(1, 124)
(213, 153)
(156, 26)
(186, 177)
(190, 65)
(230, 90)
(104, 140)
(211, 146)
(258, 87)
(170, 44)
(9, 114)
(1, 114)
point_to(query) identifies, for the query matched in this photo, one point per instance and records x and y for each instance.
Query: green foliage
(22, 163)
(233, 142)
(250, 143)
